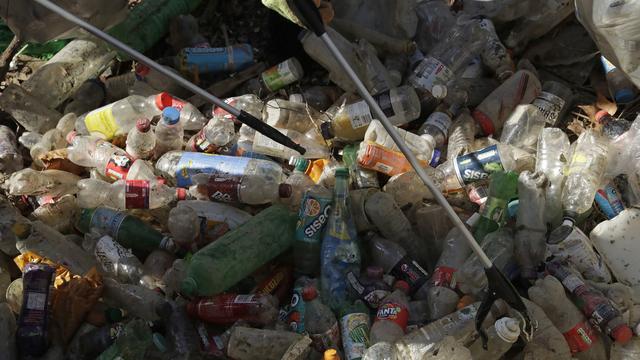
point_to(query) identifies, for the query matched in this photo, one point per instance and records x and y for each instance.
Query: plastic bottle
(180, 329)
(229, 308)
(285, 114)
(134, 299)
(201, 61)
(622, 90)
(370, 287)
(136, 341)
(320, 322)
(109, 160)
(32, 334)
(99, 339)
(8, 329)
(311, 141)
(461, 135)
(422, 146)
(276, 77)
(339, 252)
(578, 251)
(523, 127)
(552, 159)
(90, 95)
(142, 170)
(502, 335)
(354, 328)
(318, 97)
(543, 17)
(379, 351)
(126, 194)
(593, 303)
(250, 103)
(299, 181)
(401, 105)
(179, 166)
(169, 132)
(248, 343)
(114, 260)
(392, 316)
(314, 213)
(127, 230)
(554, 101)
(435, 19)
(253, 190)
(437, 125)
(612, 127)
(584, 174)
(503, 187)
(521, 88)
(583, 340)
(48, 182)
(531, 230)
(257, 241)
(53, 139)
(215, 137)
(190, 117)
(154, 267)
(395, 261)
(141, 141)
(217, 212)
(119, 117)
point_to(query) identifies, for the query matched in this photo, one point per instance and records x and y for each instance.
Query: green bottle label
(312, 217)
(107, 221)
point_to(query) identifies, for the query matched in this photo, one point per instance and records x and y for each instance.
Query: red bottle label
(118, 167)
(445, 277)
(137, 194)
(581, 337)
(327, 340)
(226, 309)
(225, 189)
(393, 312)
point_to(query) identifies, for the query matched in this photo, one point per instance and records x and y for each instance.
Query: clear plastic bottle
(401, 105)
(320, 322)
(218, 132)
(250, 103)
(523, 127)
(554, 101)
(10, 158)
(435, 19)
(154, 267)
(552, 159)
(285, 114)
(531, 230)
(494, 54)
(437, 125)
(585, 173)
(119, 117)
(578, 251)
(299, 181)
(461, 135)
(521, 88)
(422, 146)
(48, 182)
(136, 300)
(392, 316)
(318, 97)
(252, 190)
(109, 160)
(141, 141)
(585, 343)
(59, 214)
(312, 141)
(545, 15)
(114, 259)
(179, 166)
(217, 212)
(395, 261)
(141, 170)
(169, 132)
(312, 218)
(502, 335)
(53, 139)
(126, 194)
(184, 225)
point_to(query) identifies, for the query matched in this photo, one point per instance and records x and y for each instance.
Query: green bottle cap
(342, 171)
(189, 286)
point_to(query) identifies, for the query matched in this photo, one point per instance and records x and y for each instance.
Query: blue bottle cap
(436, 158)
(171, 115)
(624, 96)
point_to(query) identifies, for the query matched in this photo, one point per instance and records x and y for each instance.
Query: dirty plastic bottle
(8, 329)
(354, 328)
(276, 77)
(395, 261)
(215, 137)
(435, 19)
(141, 141)
(370, 286)
(503, 187)
(554, 101)
(401, 105)
(250, 103)
(584, 174)
(578, 251)
(179, 166)
(530, 246)
(622, 90)
(501, 336)
(251, 190)
(109, 160)
(154, 267)
(461, 135)
(521, 88)
(247, 343)
(320, 322)
(392, 316)
(494, 54)
(257, 241)
(437, 125)
(90, 95)
(114, 259)
(523, 127)
(612, 127)
(312, 141)
(52, 139)
(217, 212)
(318, 97)
(339, 253)
(285, 114)
(126, 194)
(315, 209)
(48, 182)
(169, 132)
(545, 15)
(185, 226)
(134, 299)
(299, 181)
(552, 159)
(583, 340)
(142, 170)
(99, 339)
(119, 117)
(597, 307)
(228, 308)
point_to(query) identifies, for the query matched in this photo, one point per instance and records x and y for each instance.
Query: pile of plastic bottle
(137, 224)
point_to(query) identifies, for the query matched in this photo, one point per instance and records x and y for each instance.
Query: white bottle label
(359, 114)
(441, 121)
(430, 72)
(108, 252)
(550, 105)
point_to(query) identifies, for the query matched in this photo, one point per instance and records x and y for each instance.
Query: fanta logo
(388, 312)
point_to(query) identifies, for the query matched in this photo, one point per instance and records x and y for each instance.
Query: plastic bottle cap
(163, 100)
(435, 159)
(181, 194)
(309, 293)
(331, 354)
(159, 342)
(327, 131)
(171, 115)
(189, 286)
(70, 136)
(485, 122)
(439, 91)
(142, 70)
(508, 329)
(284, 191)
(375, 272)
(600, 114)
(143, 125)
(624, 96)
(402, 285)
(342, 171)
(301, 164)
(297, 98)
(622, 334)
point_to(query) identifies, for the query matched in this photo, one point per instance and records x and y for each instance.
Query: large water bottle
(552, 159)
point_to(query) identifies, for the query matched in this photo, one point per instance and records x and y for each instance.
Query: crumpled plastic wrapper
(63, 275)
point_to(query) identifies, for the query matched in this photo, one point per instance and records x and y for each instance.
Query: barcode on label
(36, 301)
(359, 114)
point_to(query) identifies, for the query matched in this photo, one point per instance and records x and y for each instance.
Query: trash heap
(139, 222)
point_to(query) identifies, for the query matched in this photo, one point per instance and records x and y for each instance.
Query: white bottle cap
(508, 329)
(439, 91)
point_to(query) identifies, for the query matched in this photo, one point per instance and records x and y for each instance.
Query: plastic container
(126, 194)
(229, 308)
(313, 216)
(320, 322)
(141, 141)
(392, 316)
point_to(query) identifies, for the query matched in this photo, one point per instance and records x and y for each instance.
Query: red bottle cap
(309, 293)
(600, 114)
(285, 190)
(143, 125)
(142, 70)
(163, 100)
(485, 122)
(622, 334)
(181, 193)
(402, 285)
(375, 272)
(70, 136)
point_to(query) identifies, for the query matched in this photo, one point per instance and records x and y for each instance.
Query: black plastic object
(269, 131)
(307, 12)
(499, 287)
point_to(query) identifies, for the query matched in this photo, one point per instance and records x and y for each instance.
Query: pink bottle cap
(309, 293)
(181, 194)
(143, 125)
(70, 136)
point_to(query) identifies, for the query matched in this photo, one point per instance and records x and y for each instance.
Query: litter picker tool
(241, 115)
(499, 287)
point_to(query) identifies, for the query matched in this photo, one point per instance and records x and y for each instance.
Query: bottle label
(393, 312)
(609, 202)
(201, 144)
(494, 209)
(572, 282)
(603, 311)
(199, 163)
(578, 251)
(441, 121)
(410, 271)
(136, 194)
(218, 111)
(102, 121)
(355, 335)
(312, 217)
(550, 105)
(118, 167)
(278, 76)
(381, 159)
(296, 315)
(444, 276)
(327, 340)
(581, 337)
(107, 221)
(478, 165)
(384, 101)
(359, 114)
(225, 189)
(109, 253)
(431, 72)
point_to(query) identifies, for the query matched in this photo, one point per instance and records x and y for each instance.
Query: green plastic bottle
(126, 229)
(237, 254)
(355, 326)
(503, 187)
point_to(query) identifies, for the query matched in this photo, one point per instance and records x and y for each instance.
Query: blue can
(216, 60)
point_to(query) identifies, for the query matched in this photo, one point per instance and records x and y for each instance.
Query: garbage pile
(140, 222)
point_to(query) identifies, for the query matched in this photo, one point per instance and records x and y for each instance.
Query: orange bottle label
(384, 160)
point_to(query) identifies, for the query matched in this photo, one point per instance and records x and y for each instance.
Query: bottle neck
(341, 191)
